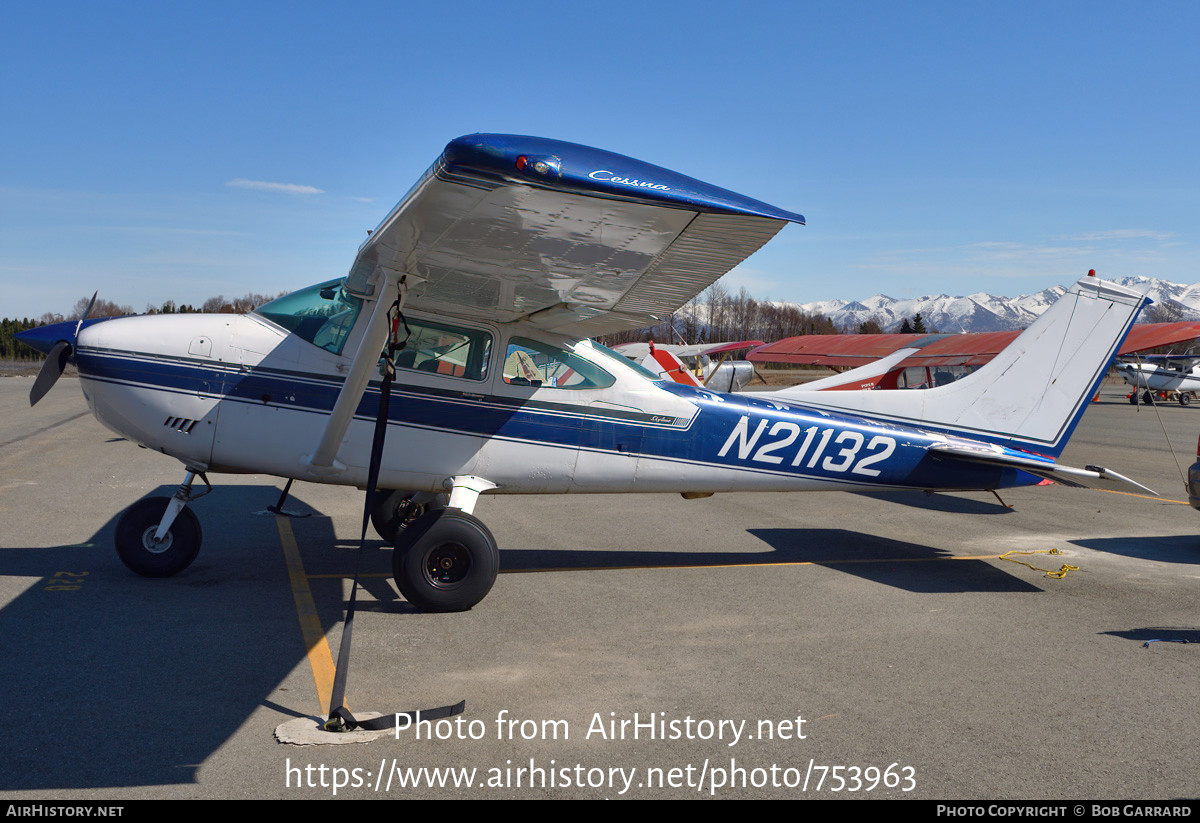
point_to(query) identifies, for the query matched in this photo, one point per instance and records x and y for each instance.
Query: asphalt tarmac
(740, 646)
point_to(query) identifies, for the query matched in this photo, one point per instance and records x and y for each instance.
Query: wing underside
(592, 243)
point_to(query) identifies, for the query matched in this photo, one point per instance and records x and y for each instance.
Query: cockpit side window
(322, 314)
(438, 348)
(534, 363)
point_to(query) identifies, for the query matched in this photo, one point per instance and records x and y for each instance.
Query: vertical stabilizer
(1031, 395)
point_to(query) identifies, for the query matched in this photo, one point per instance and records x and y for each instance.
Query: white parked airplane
(1176, 374)
(484, 285)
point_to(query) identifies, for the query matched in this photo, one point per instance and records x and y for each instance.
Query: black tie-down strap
(340, 718)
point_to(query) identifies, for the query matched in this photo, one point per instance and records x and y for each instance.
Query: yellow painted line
(1146, 496)
(347, 576)
(752, 564)
(320, 659)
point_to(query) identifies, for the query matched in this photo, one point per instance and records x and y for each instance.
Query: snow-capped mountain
(984, 312)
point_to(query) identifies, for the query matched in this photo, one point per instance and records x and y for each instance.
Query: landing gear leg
(160, 536)
(447, 560)
(393, 510)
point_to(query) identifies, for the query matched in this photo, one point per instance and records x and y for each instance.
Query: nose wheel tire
(445, 561)
(135, 539)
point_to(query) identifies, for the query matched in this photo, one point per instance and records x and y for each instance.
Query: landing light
(542, 166)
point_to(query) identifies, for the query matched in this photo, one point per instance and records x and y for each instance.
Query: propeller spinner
(57, 341)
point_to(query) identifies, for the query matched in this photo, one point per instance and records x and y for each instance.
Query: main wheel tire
(392, 510)
(1148, 398)
(445, 561)
(1133, 400)
(135, 539)
(1184, 398)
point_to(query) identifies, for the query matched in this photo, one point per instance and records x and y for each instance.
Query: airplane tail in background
(858, 379)
(1032, 394)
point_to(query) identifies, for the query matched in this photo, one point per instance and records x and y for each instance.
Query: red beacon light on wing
(548, 167)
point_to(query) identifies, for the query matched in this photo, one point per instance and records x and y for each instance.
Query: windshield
(322, 314)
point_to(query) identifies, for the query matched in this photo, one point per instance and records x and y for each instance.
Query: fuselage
(531, 411)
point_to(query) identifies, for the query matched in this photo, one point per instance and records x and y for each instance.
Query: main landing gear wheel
(445, 561)
(1184, 399)
(1148, 398)
(1133, 399)
(394, 509)
(135, 539)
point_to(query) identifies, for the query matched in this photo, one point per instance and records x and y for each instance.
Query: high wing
(972, 349)
(573, 239)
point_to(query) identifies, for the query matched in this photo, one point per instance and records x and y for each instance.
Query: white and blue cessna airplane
(497, 267)
(1172, 374)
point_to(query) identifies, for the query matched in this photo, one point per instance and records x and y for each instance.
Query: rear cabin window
(533, 363)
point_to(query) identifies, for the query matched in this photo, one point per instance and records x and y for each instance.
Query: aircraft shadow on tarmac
(952, 503)
(1171, 548)
(116, 680)
(896, 563)
(1175, 634)
(879, 559)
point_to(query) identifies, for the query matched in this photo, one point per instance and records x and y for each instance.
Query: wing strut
(340, 719)
(323, 459)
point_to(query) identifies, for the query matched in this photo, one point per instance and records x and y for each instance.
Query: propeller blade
(85, 314)
(52, 369)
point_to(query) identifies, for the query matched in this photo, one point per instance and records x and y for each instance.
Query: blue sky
(933, 147)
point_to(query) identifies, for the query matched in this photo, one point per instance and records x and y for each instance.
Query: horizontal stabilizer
(1092, 477)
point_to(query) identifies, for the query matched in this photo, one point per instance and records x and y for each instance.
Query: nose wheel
(160, 536)
(445, 561)
(142, 553)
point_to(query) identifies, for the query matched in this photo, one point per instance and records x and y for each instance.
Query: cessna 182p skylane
(505, 258)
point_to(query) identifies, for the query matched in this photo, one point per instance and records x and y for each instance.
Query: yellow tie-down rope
(1057, 575)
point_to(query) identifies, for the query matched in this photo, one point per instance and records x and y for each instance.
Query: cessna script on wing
(612, 178)
(848, 444)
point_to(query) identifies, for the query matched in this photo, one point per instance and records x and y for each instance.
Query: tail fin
(1032, 394)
